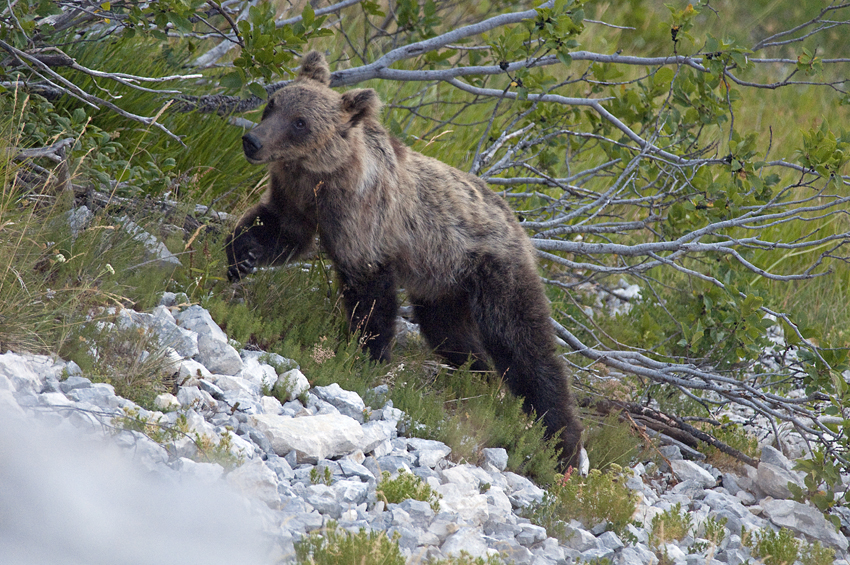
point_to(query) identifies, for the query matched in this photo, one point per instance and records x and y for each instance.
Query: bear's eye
(300, 123)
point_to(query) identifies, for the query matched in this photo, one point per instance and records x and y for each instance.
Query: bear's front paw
(244, 264)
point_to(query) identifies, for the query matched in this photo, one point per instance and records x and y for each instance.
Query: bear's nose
(250, 144)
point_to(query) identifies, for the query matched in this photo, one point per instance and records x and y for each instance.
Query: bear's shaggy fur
(389, 216)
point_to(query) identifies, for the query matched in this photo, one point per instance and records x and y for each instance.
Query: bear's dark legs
(262, 237)
(448, 326)
(512, 314)
(371, 305)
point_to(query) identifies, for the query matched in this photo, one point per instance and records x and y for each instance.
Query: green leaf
(307, 15)
(232, 80)
(257, 90)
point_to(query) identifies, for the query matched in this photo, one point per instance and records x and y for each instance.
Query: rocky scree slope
(81, 483)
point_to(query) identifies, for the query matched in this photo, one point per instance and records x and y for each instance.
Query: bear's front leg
(263, 237)
(371, 304)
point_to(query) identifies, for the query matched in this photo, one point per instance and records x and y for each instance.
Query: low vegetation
(597, 498)
(740, 143)
(406, 486)
(332, 546)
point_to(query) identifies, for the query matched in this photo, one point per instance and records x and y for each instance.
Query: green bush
(670, 525)
(333, 546)
(406, 486)
(774, 547)
(590, 500)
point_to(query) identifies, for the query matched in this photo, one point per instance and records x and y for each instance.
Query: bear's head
(308, 123)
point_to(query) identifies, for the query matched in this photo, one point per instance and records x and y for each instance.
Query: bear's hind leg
(371, 305)
(449, 329)
(512, 314)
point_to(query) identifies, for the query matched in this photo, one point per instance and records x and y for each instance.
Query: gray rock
(611, 541)
(598, 554)
(156, 252)
(690, 471)
(671, 452)
(465, 501)
(194, 397)
(773, 480)
(295, 382)
(730, 483)
(347, 402)
(498, 502)
(690, 489)
(211, 389)
(729, 507)
(350, 469)
(523, 492)
(78, 219)
(495, 456)
(218, 356)
(636, 555)
(323, 499)
(214, 352)
(804, 519)
(257, 373)
(734, 556)
(73, 383)
(204, 473)
(171, 299)
(469, 540)
(255, 479)
(426, 453)
(550, 550)
(164, 326)
(166, 402)
(579, 539)
(530, 534)
(311, 437)
(351, 492)
(420, 511)
(775, 457)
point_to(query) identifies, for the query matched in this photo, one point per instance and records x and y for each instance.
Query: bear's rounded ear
(361, 103)
(314, 66)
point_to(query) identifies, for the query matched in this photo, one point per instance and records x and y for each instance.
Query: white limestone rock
(311, 437)
(804, 519)
(347, 402)
(255, 479)
(689, 471)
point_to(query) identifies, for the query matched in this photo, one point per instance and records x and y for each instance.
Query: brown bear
(389, 216)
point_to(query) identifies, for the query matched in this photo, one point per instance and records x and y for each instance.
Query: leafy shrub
(714, 530)
(333, 546)
(406, 486)
(590, 500)
(466, 559)
(774, 547)
(782, 548)
(670, 525)
(816, 554)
